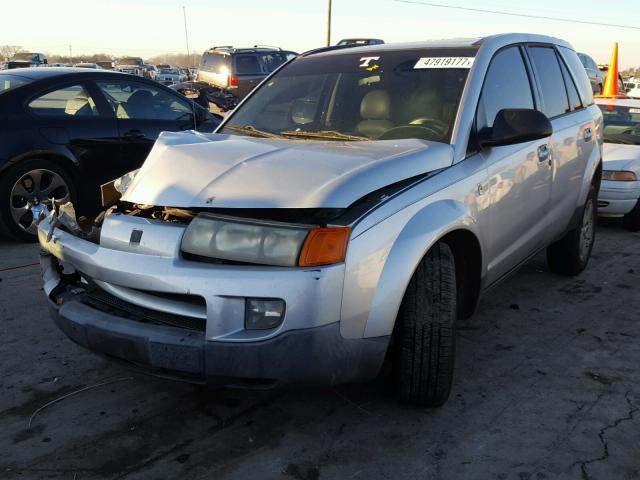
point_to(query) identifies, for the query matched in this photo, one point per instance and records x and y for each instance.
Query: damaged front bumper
(144, 304)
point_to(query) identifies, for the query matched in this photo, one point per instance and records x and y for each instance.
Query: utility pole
(70, 54)
(186, 35)
(329, 25)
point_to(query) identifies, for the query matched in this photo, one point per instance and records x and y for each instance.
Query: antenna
(186, 37)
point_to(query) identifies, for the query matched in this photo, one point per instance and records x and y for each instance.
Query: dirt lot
(547, 386)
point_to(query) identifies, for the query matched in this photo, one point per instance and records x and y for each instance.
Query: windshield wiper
(251, 130)
(324, 134)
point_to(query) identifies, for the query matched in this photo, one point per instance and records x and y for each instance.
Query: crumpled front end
(125, 290)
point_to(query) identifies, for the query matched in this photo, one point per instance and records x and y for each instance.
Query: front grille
(108, 303)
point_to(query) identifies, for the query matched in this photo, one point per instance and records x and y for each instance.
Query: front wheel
(424, 336)
(632, 219)
(570, 255)
(27, 184)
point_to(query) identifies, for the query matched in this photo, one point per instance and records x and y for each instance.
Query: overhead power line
(513, 14)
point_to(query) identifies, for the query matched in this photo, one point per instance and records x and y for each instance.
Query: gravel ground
(547, 386)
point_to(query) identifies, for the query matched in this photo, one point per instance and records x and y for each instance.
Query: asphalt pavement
(547, 386)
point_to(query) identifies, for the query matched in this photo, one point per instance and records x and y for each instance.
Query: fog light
(263, 313)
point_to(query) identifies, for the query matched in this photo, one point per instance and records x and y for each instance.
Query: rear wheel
(632, 219)
(424, 335)
(30, 183)
(570, 255)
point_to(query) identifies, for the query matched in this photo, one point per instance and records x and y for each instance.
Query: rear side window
(506, 86)
(554, 93)
(247, 64)
(582, 80)
(65, 102)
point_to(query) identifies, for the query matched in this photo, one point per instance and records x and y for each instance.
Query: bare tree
(8, 51)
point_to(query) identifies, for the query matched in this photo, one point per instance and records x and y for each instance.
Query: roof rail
(267, 46)
(328, 49)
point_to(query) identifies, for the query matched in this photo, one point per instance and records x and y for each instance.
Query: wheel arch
(468, 258)
(69, 165)
(372, 311)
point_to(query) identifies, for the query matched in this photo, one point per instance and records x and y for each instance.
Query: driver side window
(141, 101)
(506, 85)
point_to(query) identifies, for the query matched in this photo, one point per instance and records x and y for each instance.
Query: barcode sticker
(444, 62)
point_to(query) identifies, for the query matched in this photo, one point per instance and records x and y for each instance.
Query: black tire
(632, 219)
(424, 335)
(9, 179)
(570, 255)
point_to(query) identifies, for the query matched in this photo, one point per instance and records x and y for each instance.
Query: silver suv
(352, 209)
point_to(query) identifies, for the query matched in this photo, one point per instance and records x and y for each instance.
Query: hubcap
(587, 230)
(33, 188)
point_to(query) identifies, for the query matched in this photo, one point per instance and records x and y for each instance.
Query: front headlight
(264, 242)
(619, 176)
(122, 184)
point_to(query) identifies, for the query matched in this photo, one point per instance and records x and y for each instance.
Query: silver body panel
(513, 203)
(229, 171)
(619, 198)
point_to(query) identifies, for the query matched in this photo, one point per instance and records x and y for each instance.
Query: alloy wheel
(35, 187)
(587, 230)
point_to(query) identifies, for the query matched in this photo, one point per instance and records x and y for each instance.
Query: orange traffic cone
(610, 88)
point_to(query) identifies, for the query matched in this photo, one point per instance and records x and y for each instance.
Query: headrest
(375, 105)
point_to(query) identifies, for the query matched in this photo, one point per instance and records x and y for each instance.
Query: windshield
(621, 124)
(9, 82)
(25, 56)
(170, 71)
(360, 96)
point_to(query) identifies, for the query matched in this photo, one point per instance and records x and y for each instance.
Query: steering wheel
(434, 124)
(410, 131)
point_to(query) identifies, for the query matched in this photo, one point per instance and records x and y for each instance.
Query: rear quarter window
(579, 75)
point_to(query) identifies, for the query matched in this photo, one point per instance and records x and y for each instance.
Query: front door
(518, 187)
(143, 111)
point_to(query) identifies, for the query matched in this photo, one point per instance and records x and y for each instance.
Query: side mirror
(516, 125)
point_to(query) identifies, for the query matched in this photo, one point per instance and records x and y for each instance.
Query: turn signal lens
(233, 81)
(325, 246)
(619, 176)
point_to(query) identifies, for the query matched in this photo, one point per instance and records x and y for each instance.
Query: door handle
(133, 135)
(588, 134)
(544, 153)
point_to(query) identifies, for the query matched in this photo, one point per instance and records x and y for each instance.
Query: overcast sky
(150, 27)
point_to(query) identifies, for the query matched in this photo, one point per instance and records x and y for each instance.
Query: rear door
(573, 134)
(143, 111)
(248, 71)
(519, 176)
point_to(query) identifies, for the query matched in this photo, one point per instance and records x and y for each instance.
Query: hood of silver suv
(191, 170)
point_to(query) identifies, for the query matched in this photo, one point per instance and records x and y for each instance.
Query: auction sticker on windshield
(444, 62)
